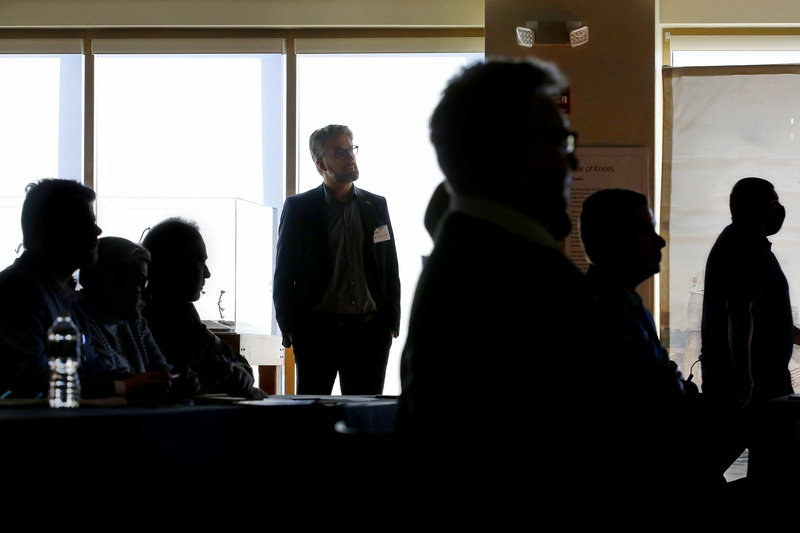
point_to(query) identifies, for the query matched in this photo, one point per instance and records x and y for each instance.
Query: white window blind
(706, 50)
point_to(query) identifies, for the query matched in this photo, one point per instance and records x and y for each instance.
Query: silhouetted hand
(674, 367)
(213, 373)
(232, 379)
(148, 386)
(185, 385)
(257, 394)
(239, 383)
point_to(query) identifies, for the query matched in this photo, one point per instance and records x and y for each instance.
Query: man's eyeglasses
(567, 138)
(570, 142)
(140, 281)
(344, 153)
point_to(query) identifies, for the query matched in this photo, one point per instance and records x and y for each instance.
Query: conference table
(209, 439)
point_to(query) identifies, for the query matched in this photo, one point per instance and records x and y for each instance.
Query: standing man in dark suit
(337, 284)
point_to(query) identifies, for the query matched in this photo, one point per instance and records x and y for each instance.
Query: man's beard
(345, 177)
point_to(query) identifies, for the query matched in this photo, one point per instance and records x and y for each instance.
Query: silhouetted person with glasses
(511, 402)
(503, 371)
(112, 295)
(177, 274)
(337, 284)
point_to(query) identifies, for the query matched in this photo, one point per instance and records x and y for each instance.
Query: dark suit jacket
(485, 295)
(509, 355)
(303, 266)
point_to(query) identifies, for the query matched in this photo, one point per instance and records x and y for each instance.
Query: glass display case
(11, 236)
(240, 241)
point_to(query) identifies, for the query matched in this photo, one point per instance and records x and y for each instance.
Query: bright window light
(181, 125)
(41, 131)
(197, 136)
(387, 101)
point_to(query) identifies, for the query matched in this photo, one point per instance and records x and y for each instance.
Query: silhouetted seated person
(177, 275)
(618, 233)
(112, 296)
(59, 236)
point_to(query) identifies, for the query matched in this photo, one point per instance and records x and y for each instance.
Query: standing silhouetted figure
(507, 370)
(748, 331)
(337, 282)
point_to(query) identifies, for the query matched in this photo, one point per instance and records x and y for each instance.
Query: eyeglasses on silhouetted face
(344, 153)
(567, 139)
(570, 142)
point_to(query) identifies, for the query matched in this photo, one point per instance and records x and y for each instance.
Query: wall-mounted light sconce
(525, 36)
(552, 33)
(579, 35)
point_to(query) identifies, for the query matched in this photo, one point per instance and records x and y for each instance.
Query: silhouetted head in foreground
(515, 147)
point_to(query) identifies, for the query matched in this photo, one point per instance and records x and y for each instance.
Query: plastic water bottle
(64, 353)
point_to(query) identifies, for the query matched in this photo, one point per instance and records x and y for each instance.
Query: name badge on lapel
(380, 234)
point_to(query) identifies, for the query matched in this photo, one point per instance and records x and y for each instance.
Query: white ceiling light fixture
(525, 37)
(552, 33)
(579, 36)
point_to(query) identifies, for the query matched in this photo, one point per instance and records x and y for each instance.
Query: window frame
(293, 41)
(714, 40)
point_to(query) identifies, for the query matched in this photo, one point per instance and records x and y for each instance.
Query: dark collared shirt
(347, 292)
